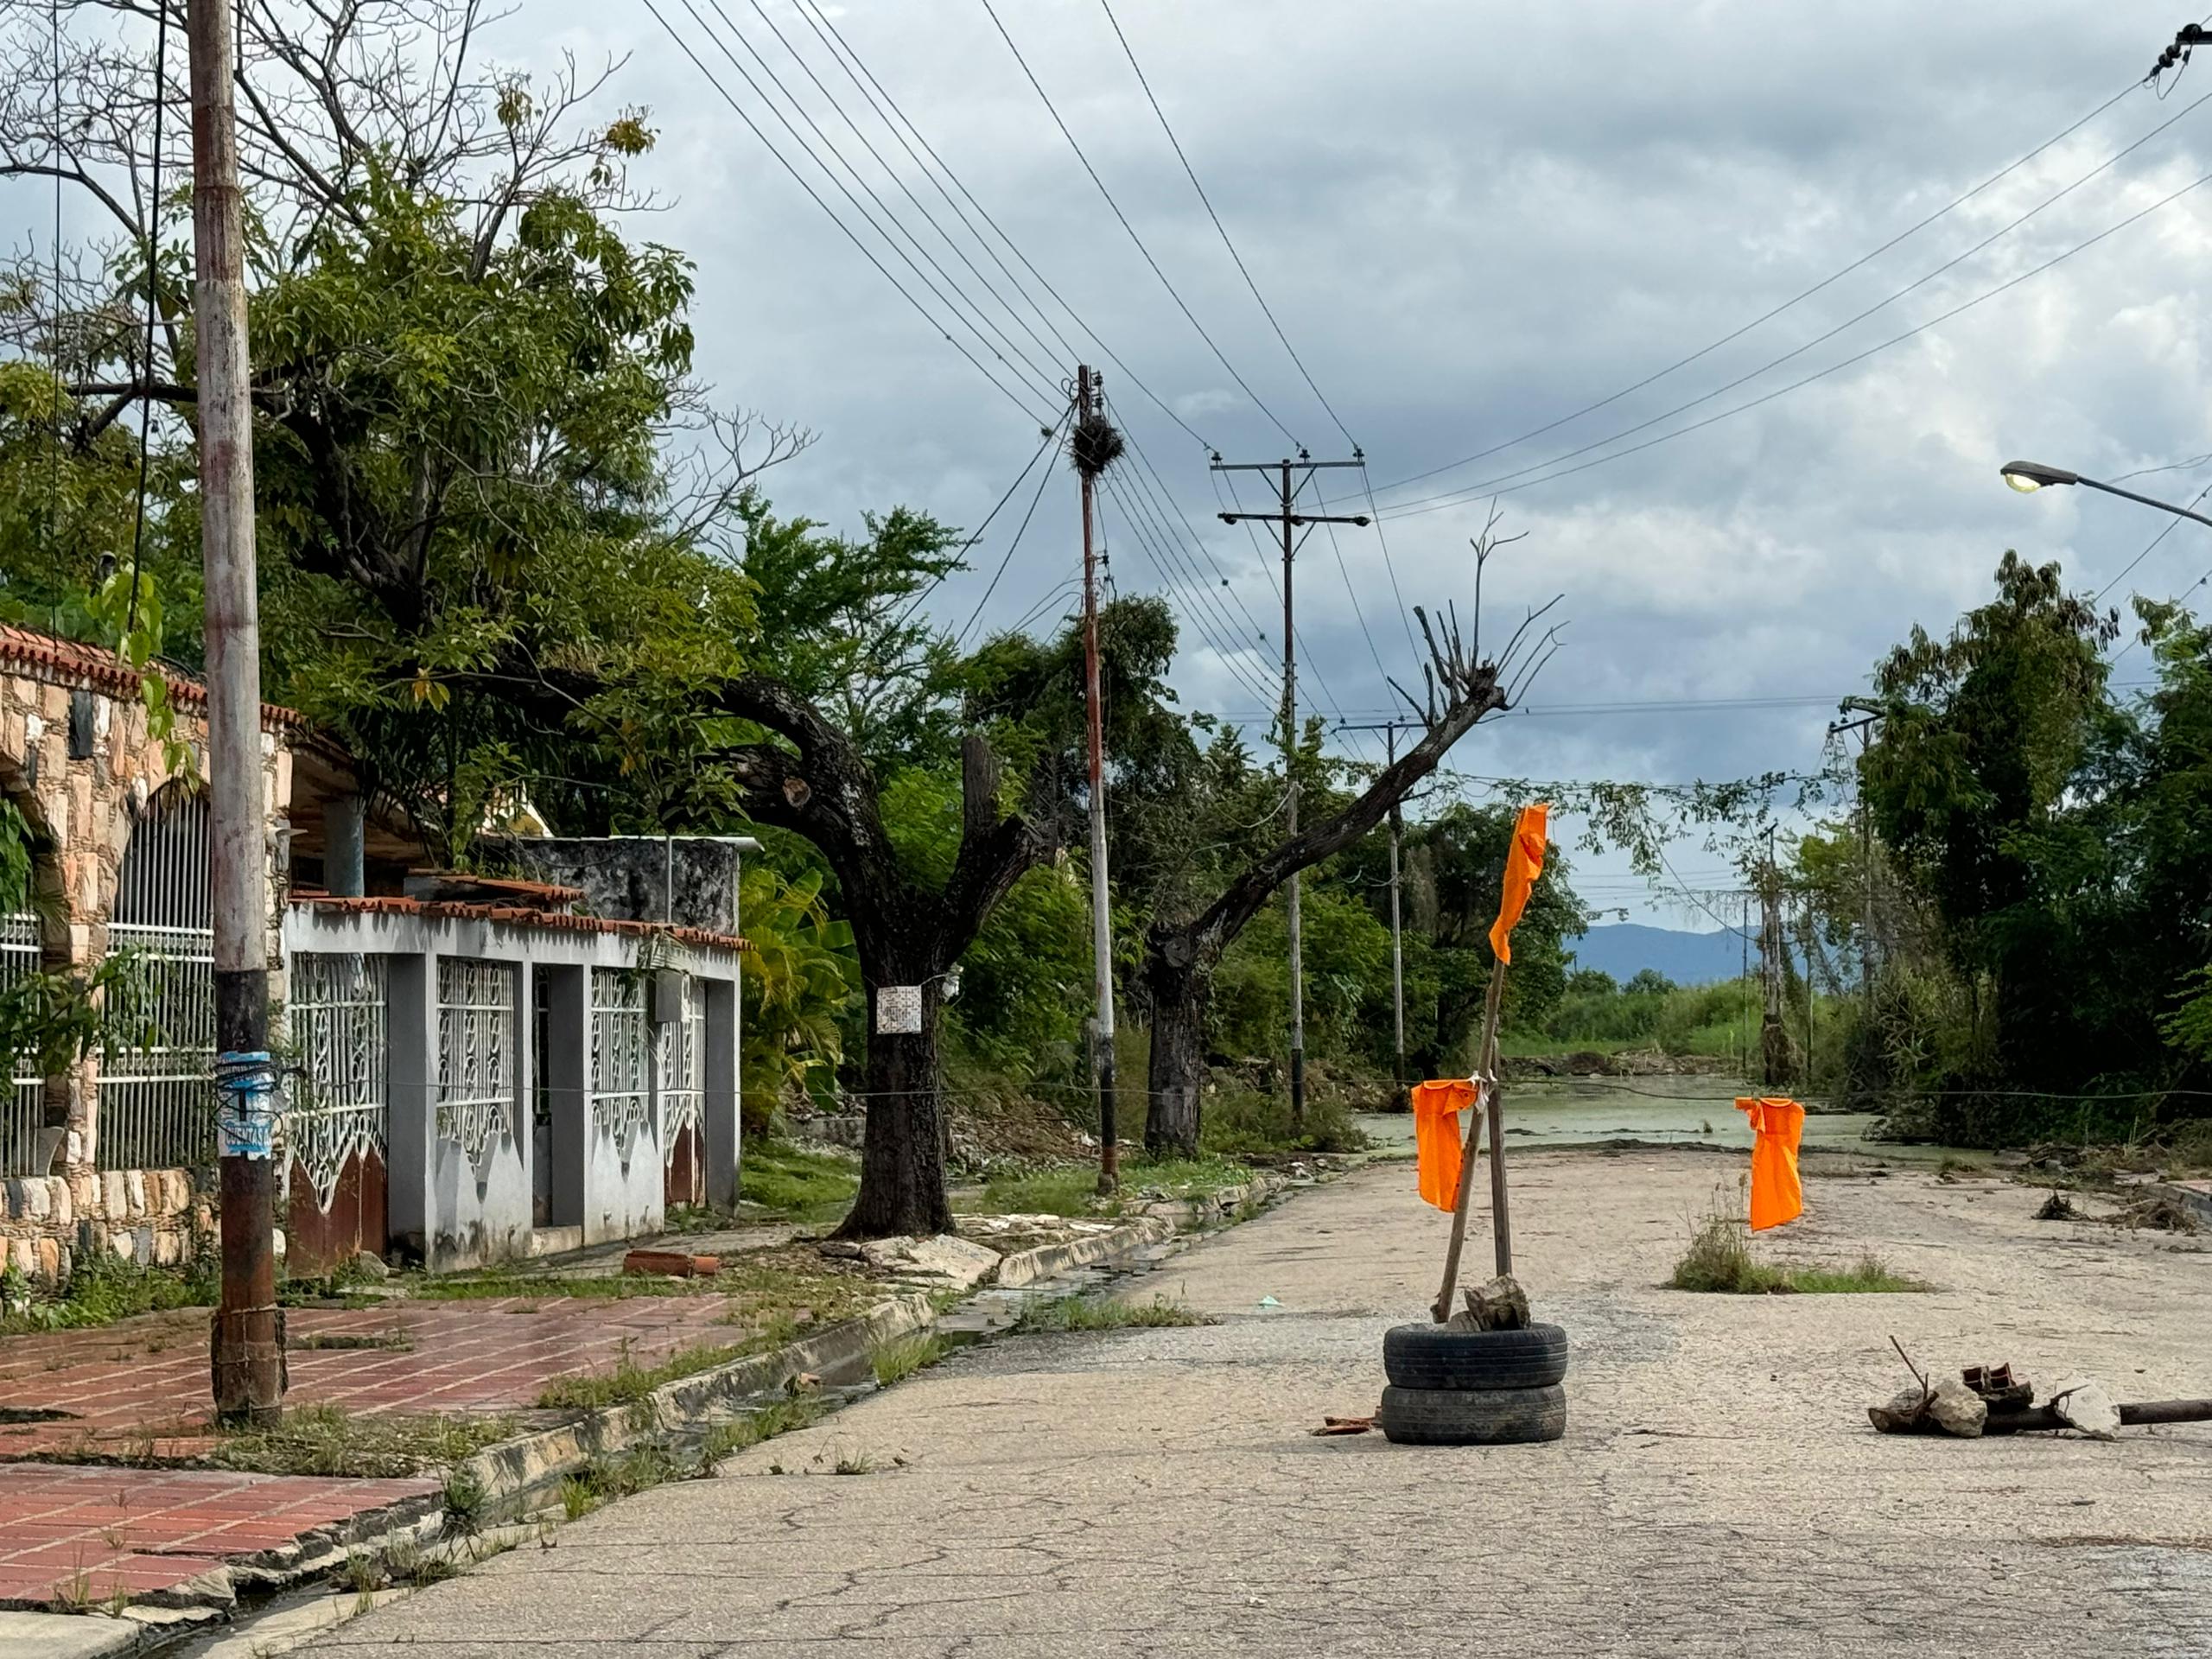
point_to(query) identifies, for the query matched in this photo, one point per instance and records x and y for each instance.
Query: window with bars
(622, 1051)
(157, 1098)
(683, 1066)
(476, 1051)
(336, 1015)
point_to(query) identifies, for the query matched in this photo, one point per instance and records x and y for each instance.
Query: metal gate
(157, 1097)
(22, 1107)
(684, 1067)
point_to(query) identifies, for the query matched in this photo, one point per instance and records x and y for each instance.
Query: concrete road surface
(1719, 1491)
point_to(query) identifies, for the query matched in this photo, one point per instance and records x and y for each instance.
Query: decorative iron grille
(157, 1095)
(476, 1049)
(336, 1016)
(622, 1051)
(23, 1108)
(684, 1067)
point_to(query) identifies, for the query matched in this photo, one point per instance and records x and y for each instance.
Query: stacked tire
(1453, 1387)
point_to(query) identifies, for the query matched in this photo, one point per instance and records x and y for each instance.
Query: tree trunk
(1177, 1071)
(902, 1162)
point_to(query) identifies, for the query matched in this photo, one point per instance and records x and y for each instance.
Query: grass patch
(1088, 1311)
(779, 1417)
(798, 1184)
(327, 1441)
(630, 1381)
(103, 1289)
(1243, 1123)
(1719, 1261)
(895, 1361)
(493, 1287)
(1071, 1190)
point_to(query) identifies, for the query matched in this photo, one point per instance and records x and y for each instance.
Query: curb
(1217, 1207)
(2193, 1196)
(1050, 1260)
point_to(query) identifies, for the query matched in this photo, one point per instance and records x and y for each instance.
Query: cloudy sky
(1473, 220)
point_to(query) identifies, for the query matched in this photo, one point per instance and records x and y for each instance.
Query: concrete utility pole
(1290, 518)
(1102, 914)
(248, 1354)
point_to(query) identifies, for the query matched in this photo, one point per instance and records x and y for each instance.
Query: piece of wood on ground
(1343, 1425)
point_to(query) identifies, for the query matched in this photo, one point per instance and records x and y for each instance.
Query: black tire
(1438, 1356)
(1472, 1416)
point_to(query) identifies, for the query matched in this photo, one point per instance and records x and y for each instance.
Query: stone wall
(634, 879)
(78, 760)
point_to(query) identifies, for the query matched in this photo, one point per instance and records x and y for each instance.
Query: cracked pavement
(1154, 1492)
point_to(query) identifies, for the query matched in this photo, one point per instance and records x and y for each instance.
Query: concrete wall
(635, 879)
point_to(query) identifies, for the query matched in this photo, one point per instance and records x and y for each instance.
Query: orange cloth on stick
(1436, 1152)
(1523, 864)
(1776, 1194)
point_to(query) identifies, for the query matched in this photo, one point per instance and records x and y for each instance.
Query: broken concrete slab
(946, 1262)
(2088, 1407)
(65, 1635)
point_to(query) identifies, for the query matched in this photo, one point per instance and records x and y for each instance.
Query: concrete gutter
(1020, 1268)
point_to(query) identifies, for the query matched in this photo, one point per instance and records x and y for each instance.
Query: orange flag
(1776, 1194)
(1437, 1107)
(1522, 866)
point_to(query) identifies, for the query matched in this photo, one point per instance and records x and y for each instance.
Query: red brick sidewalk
(146, 1379)
(87, 1535)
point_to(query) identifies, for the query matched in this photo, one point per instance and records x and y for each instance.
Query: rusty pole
(1101, 913)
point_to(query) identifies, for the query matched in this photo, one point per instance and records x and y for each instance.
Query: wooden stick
(1485, 1080)
(1501, 1226)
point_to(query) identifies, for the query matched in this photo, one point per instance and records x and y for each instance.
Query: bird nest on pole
(1095, 445)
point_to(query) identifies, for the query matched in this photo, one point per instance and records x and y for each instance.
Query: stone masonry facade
(78, 760)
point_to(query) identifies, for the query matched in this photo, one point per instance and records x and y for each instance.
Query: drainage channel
(265, 1622)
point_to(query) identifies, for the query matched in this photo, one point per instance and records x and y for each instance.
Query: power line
(915, 604)
(799, 179)
(893, 173)
(1499, 487)
(1171, 292)
(843, 50)
(1242, 269)
(1040, 376)
(1768, 316)
(1160, 551)
(2150, 546)
(1044, 478)
(1818, 340)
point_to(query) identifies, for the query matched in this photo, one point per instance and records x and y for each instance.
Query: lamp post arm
(2146, 500)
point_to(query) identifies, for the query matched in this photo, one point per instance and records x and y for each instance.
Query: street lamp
(2029, 476)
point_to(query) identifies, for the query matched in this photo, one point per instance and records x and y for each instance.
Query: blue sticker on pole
(246, 1104)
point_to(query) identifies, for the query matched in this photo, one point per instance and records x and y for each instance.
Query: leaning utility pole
(247, 1352)
(1101, 915)
(1289, 517)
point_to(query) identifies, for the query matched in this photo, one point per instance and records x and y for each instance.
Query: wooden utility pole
(1102, 914)
(247, 1351)
(1290, 520)
(1774, 1034)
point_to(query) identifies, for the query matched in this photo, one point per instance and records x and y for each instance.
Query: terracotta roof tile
(516, 915)
(47, 656)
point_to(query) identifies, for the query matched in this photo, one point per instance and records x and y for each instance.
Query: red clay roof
(96, 668)
(518, 916)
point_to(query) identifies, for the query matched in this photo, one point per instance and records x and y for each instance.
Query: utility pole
(1864, 727)
(247, 1351)
(1773, 1035)
(1389, 730)
(1291, 519)
(1101, 915)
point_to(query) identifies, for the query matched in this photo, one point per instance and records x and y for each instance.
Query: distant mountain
(1624, 948)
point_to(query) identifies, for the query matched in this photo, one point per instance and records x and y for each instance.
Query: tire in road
(1438, 1356)
(1472, 1416)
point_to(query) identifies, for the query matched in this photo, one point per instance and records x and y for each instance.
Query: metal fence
(684, 1067)
(157, 1094)
(22, 1107)
(476, 1052)
(336, 1015)
(622, 1051)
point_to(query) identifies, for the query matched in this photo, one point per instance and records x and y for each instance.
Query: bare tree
(1180, 957)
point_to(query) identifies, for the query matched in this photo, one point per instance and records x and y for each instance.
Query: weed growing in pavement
(1088, 1311)
(103, 1288)
(853, 1463)
(1719, 1260)
(895, 1361)
(327, 1441)
(74, 1593)
(464, 1500)
(578, 1496)
(409, 1563)
(630, 1381)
